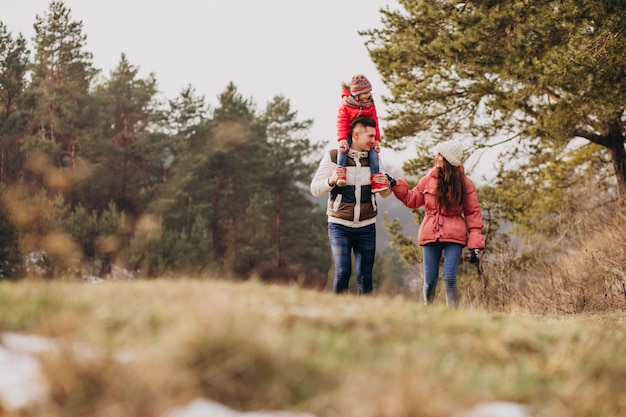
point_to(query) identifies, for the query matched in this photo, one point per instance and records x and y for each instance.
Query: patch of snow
(201, 407)
(36, 262)
(21, 381)
(29, 344)
(93, 279)
(497, 409)
(119, 273)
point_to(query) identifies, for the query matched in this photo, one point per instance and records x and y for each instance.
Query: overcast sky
(300, 49)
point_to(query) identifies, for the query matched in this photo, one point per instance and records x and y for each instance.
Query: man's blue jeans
(432, 257)
(343, 242)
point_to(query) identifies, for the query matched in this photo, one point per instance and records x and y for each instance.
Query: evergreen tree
(104, 173)
(237, 158)
(61, 76)
(297, 226)
(180, 200)
(538, 75)
(100, 235)
(188, 121)
(9, 242)
(186, 114)
(130, 152)
(13, 65)
(238, 189)
(213, 181)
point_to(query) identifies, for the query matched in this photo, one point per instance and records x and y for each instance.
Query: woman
(453, 218)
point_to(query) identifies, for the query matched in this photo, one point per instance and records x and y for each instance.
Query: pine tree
(213, 179)
(297, 233)
(61, 77)
(13, 65)
(181, 200)
(238, 146)
(9, 242)
(130, 149)
(540, 71)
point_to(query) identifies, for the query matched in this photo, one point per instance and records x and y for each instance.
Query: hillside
(140, 348)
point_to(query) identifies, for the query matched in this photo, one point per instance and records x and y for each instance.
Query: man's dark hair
(364, 121)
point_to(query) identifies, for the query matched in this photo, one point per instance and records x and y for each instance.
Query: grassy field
(253, 346)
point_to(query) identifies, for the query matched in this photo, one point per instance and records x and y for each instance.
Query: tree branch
(592, 137)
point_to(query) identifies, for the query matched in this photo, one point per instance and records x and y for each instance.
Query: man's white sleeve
(319, 183)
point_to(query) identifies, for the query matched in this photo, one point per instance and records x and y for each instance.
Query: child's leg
(342, 160)
(375, 169)
(342, 157)
(374, 164)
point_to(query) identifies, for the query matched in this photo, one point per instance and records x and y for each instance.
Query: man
(352, 208)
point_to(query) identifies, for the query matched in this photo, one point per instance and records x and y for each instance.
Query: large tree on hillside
(186, 113)
(541, 73)
(129, 154)
(181, 199)
(215, 178)
(188, 121)
(9, 243)
(13, 64)
(296, 226)
(237, 195)
(236, 143)
(61, 76)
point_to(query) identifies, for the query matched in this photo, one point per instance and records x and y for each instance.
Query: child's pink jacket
(349, 110)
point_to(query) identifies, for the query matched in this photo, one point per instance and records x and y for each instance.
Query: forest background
(99, 172)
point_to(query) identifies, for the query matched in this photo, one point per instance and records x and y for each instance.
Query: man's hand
(381, 178)
(343, 146)
(339, 172)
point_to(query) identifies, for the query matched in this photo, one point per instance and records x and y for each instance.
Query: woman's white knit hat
(452, 151)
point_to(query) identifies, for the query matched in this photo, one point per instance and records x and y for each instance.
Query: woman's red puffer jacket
(456, 225)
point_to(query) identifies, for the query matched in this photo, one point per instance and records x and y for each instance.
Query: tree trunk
(618, 157)
(614, 142)
(278, 207)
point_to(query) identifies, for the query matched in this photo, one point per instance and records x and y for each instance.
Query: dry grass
(581, 271)
(592, 278)
(139, 348)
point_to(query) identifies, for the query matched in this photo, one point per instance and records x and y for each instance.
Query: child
(356, 100)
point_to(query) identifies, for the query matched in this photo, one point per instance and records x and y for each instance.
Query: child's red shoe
(376, 187)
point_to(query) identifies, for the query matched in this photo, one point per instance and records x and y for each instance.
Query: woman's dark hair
(450, 192)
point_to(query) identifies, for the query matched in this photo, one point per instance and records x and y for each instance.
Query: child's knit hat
(452, 151)
(359, 85)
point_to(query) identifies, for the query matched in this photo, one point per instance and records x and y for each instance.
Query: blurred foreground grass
(157, 344)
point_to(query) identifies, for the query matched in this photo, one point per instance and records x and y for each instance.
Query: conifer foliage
(546, 78)
(99, 173)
